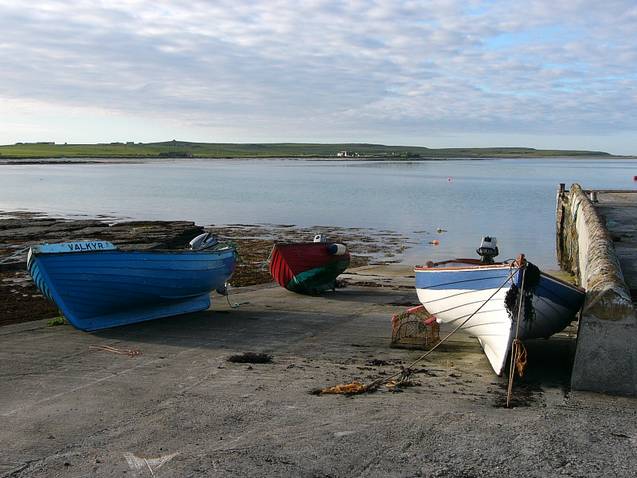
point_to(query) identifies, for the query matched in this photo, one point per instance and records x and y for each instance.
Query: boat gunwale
(563, 282)
(473, 265)
(469, 267)
(280, 244)
(136, 251)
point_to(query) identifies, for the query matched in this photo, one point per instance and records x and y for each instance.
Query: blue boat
(97, 286)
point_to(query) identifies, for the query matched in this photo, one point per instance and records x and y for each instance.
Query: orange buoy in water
(435, 242)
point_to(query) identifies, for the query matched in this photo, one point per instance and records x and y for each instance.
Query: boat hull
(101, 289)
(453, 294)
(555, 305)
(307, 268)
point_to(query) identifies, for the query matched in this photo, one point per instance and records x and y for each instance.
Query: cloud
(324, 67)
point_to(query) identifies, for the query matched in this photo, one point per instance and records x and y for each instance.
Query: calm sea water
(513, 200)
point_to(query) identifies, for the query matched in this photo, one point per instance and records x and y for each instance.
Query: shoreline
(36, 160)
(20, 230)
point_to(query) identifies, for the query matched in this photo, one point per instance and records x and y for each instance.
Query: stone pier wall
(606, 354)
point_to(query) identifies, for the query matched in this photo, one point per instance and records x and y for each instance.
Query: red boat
(308, 267)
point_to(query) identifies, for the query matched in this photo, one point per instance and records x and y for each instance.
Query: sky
(438, 73)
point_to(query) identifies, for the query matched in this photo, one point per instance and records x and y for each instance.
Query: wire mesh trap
(415, 328)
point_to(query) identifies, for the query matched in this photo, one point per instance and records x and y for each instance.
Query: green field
(266, 150)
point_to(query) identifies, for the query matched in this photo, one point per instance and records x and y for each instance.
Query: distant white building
(346, 154)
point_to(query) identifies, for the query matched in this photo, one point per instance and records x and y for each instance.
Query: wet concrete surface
(182, 409)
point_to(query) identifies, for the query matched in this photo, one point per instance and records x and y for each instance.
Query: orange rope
(114, 350)
(516, 344)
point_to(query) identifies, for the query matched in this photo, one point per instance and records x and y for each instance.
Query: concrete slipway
(180, 409)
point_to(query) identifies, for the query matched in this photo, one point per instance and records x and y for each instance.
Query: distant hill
(184, 149)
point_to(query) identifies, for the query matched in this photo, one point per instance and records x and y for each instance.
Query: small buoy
(440, 230)
(435, 242)
(450, 179)
(337, 249)
(431, 320)
(634, 178)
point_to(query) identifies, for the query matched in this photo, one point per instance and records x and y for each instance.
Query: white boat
(486, 297)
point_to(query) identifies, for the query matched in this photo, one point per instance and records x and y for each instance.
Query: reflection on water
(513, 200)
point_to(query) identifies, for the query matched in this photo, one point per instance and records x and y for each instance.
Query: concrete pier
(595, 241)
(180, 409)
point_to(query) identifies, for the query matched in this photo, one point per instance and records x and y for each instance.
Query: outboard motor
(488, 249)
(203, 241)
(320, 238)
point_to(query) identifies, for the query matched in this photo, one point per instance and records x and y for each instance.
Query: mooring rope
(115, 350)
(227, 294)
(516, 345)
(236, 305)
